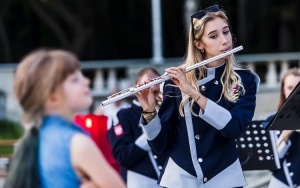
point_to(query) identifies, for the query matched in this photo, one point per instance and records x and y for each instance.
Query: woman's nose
(225, 39)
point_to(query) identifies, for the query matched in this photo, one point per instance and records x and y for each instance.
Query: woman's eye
(213, 36)
(226, 32)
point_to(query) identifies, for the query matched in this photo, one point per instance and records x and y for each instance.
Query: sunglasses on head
(201, 13)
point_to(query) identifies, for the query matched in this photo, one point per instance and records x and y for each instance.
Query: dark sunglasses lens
(201, 13)
(214, 8)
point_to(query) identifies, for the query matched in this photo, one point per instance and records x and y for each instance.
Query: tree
(57, 15)
(3, 35)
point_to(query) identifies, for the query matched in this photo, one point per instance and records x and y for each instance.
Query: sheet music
(288, 116)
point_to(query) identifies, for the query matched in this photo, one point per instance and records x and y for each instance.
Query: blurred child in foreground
(54, 151)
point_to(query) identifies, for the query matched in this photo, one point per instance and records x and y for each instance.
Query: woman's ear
(198, 45)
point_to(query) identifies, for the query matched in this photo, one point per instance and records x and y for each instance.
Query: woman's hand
(147, 99)
(178, 76)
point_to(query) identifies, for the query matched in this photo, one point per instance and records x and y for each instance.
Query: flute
(134, 89)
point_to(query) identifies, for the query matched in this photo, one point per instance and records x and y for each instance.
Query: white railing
(270, 68)
(107, 72)
(276, 64)
(109, 75)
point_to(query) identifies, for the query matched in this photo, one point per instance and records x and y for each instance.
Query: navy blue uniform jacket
(140, 166)
(202, 148)
(288, 176)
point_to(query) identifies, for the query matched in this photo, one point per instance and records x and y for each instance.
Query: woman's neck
(215, 63)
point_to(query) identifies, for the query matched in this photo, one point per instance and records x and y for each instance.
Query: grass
(6, 150)
(9, 130)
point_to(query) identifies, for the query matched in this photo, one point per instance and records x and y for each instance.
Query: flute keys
(203, 88)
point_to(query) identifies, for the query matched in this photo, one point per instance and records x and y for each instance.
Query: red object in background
(96, 125)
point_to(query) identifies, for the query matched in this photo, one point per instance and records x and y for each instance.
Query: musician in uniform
(140, 166)
(288, 144)
(203, 111)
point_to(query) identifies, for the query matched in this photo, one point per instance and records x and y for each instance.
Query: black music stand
(288, 116)
(257, 148)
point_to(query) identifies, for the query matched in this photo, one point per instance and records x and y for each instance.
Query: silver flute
(134, 89)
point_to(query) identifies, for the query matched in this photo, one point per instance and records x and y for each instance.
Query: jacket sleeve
(161, 130)
(233, 121)
(124, 145)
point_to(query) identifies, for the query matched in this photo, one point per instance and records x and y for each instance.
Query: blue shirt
(55, 166)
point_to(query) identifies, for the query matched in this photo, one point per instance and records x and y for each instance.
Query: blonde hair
(229, 77)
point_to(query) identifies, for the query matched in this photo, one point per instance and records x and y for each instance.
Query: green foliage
(10, 129)
(6, 150)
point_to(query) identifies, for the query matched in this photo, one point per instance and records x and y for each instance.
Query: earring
(202, 50)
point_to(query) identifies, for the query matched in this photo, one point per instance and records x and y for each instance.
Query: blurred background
(114, 39)
(118, 29)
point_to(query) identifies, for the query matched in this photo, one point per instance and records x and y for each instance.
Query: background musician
(288, 176)
(140, 166)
